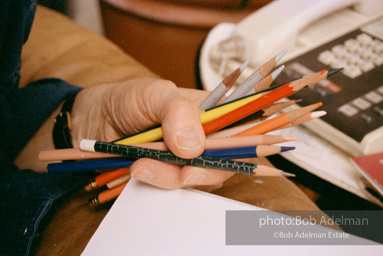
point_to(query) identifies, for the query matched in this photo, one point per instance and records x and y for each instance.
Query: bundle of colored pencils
(236, 127)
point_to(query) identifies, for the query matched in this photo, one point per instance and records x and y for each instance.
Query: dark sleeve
(26, 196)
(24, 110)
(16, 17)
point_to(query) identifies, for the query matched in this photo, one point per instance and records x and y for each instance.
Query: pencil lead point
(287, 174)
(317, 114)
(244, 65)
(284, 149)
(280, 55)
(276, 72)
(333, 71)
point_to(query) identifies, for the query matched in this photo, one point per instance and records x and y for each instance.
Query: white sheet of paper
(146, 220)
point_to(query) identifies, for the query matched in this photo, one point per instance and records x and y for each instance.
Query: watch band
(62, 129)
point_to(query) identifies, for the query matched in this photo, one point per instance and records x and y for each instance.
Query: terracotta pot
(166, 35)
(252, 4)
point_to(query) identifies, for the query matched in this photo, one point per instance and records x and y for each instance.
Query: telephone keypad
(356, 55)
(353, 98)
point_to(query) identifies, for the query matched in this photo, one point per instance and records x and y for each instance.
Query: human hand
(109, 112)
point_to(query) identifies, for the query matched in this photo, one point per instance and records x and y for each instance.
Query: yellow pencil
(207, 116)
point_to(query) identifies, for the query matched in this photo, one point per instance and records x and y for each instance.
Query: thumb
(181, 126)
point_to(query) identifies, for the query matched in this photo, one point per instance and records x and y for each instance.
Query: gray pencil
(255, 78)
(226, 84)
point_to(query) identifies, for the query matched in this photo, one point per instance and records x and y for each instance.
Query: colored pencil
(155, 133)
(255, 78)
(118, 181)
(283, 91)
(244, 141)
(167, 156)
(266, 82)
(105, 177)
(106, 195)
(230, 132)
(263, 85)
(225, 85)
(279, 121)
(265, 113)
(305, 118)
(246, 152)
(90, 165)
(70, 154)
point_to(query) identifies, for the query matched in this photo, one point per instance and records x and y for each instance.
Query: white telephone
(277, 26)
(304, 25)
(320, 34)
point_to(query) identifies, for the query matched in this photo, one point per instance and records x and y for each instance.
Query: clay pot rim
(177, 14)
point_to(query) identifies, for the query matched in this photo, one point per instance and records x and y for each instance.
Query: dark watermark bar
(304, 228)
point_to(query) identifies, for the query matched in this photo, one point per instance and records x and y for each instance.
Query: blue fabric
(26, 196)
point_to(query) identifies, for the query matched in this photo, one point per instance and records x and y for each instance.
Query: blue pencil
(90, 165)
(245, 152)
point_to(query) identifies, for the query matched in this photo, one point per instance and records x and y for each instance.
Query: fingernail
(188, 139)
(196, 178)
(144, 174)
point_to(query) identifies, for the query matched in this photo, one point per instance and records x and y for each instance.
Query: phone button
(361, 103)
(352, 71)
(348, 110)
(373, 97)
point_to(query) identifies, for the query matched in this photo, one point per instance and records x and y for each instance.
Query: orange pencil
(285, 90)
(107, 195)
(105, 177)
(279, 121)
(265, 113)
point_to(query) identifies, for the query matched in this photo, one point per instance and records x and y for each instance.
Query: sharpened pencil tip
(289, 138)
(276, 72)
(317, 114)
(284, 149)
(280, 55)
(287, 174)
(244, 65)
(333, 71)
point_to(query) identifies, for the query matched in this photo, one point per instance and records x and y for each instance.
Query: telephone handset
(320, 34)
(277, 25)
